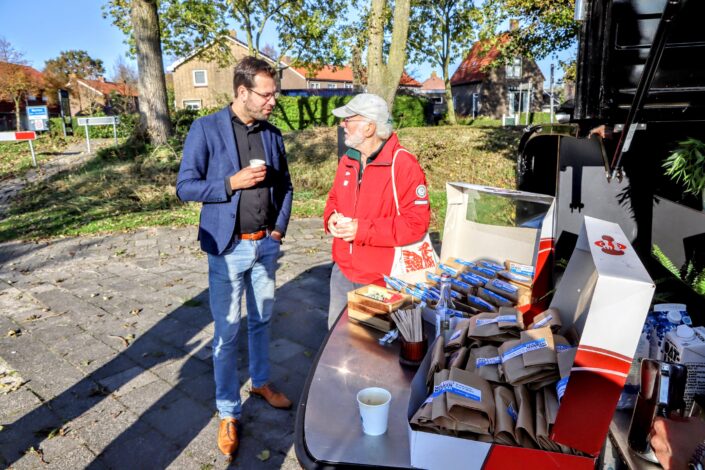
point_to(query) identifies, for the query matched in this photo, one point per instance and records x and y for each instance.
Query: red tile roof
(108, 87)
(472, 69)
(407, 80)
(341, 74)
(433, 83)
(345, 74)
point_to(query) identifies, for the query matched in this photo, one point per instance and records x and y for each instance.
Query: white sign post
(29, 136)
(98, 121)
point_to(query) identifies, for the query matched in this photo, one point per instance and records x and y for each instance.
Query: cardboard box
(375, 313)
(691, 353)
(500, 225)
(605, 293)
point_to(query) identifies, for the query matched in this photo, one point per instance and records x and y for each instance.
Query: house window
(192, 104)
(332, 85)
(514, 68)
(315, 85)
(348, 85)
(200, 78)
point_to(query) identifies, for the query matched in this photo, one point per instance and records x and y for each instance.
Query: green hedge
(125, 127)
(301, 112)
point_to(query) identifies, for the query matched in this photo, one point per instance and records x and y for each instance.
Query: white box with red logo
(605, 292)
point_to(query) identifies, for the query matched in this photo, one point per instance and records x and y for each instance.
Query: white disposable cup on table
(374, 410)
(257, 162)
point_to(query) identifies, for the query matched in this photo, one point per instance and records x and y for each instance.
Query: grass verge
(132, 185)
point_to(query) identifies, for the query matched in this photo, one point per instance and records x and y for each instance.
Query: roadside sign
(98, 121)
(38, 118)
(37, 112)
(27, 136)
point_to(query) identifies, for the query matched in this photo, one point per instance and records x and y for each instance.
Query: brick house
(7, 107)
(200, 83)
(88, 95)
(482, 88)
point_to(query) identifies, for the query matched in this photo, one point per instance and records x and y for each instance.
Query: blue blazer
(210, 156)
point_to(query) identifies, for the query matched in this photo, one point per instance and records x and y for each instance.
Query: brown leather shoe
(274, 397)
(227, 436)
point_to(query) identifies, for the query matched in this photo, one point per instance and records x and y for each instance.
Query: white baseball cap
(366, 105)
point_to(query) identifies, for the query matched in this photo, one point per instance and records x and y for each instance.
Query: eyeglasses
(266, 96)
(348, 120)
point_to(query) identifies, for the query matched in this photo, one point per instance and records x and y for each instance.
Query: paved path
(106, 358)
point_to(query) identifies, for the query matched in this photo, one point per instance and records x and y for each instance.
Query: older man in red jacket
(361, 211)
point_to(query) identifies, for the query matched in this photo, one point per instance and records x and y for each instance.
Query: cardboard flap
(479, 217)
(605, 294)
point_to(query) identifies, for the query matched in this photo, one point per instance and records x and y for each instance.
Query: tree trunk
(16, 99)
(383, 78)
(450, 106)
(154, 109)
(356, 62)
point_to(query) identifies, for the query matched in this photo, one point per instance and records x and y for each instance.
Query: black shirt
(255, 211)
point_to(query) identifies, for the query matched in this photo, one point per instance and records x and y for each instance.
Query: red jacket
(379, 228)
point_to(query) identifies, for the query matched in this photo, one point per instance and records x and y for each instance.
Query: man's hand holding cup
(249, 176)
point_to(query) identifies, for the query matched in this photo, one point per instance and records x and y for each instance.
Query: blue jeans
(249, 266)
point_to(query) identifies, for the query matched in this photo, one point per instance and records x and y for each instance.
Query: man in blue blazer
(235, 164)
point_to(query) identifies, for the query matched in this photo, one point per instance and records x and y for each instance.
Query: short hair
(383, 130)
(247, 68)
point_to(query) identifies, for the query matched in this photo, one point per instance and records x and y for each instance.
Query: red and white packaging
(605, 293)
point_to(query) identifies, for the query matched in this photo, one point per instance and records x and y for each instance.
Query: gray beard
(353, 141)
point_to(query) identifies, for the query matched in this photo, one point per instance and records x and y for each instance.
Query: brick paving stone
(149, 404)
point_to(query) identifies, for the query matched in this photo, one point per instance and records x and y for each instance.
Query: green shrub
(125, 127)
(302, 112)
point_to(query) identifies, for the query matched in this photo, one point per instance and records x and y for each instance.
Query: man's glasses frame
(266, 96)
(350, 119)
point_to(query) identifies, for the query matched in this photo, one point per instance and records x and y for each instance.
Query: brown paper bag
(438, 360)
(439, 406)
(459, 336)
(516, 322)
(484, 361)
(532, 358)
(472, 404)
(459, 358)
(550, 317)
(524, 431)
(486, 327)
(495, 299)
(542, 426)
(505, 416)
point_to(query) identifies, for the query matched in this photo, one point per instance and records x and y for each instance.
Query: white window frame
(205, 78)
(513, 69)
(189, 104)
(315, 85)
(332, 85)
(348, 85)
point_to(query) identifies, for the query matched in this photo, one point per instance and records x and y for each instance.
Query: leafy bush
(125, 128)
(302, 112)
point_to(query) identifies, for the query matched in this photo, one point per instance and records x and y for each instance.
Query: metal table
(329, 433)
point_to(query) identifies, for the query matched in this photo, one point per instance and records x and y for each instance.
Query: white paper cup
(374, 410)
(257, 162)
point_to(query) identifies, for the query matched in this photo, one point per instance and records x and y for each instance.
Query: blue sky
(55, 25)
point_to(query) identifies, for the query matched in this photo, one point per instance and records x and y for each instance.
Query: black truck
(641, 74)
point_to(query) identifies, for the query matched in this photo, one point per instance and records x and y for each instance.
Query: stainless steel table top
(352, 360)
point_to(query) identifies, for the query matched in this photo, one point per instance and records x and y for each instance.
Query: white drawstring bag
(414, 256)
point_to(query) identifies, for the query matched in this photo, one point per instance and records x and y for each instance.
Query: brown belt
(252, 236)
